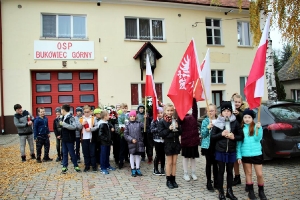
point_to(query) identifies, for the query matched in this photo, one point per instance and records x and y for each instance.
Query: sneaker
(193, 175)
(95, 169)
(23, 158)
(143, 159)
(138, 172)
(64, 170)
(121, 165)
(186, 176)
(47, 159)
(156, 172)
(133, 172)
(77, 169)
(111, 168)
(104, 172)
(58, 159)
(33, 156)
(86, 169)
(38, 160)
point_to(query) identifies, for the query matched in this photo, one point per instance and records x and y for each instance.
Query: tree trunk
(270, 74)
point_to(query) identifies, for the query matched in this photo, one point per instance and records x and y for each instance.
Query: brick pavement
(282, 181)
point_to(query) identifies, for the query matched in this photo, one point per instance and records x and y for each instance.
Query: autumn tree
(286, 54)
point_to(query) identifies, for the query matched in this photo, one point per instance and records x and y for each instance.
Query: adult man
(23, 121)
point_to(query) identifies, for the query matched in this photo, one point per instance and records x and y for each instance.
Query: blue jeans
(104, 157)
(77, 148)
(88, 149)
(68, 147)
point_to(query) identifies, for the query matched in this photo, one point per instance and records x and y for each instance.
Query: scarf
(168, 118)
(220, 122)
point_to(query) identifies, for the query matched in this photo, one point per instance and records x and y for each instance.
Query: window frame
(250, 35)
(57, 25)
(141, 99)
(217, 70)
(66, 96)
(64, 84)
(36, 90)
(242, 90)
(294, 94)
(85, 84)
(43, 96)
(150, 30)
(213, 28)
(86, 95)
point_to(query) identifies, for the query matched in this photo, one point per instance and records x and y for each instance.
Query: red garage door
(51, 89)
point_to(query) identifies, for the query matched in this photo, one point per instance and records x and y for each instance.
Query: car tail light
(279, 126)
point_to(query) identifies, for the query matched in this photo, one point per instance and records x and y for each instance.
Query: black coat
(222, 142)
(68, 129)
(104, 136)
(167, 134)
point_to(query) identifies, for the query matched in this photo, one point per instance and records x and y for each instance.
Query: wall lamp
(195, 24)
(228, 12)
(99, 3)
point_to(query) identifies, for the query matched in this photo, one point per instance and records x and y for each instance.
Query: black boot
(246, 188)
(261, 193)
(121, 164)
(216, 183)
(230, 194)
(33, 156)
(221, 194)
(209, 186)
(155, 171)
(169, 182)
(251, 194)
(174, 181)
(23, 158)
(237, 180)
(162, 172)
(38, 160)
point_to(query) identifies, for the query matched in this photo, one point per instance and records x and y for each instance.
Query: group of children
(228, 140)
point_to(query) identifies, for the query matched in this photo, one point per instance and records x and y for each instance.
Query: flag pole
(258, 116)
(205, 97)
(145, 113)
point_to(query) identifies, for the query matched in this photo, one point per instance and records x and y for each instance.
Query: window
(138, 93)
(217, 97)
(43, 99)
(243, 29)
(63, 26)
(65, 76)
(296, 95)
(87, 98)
(86, 86)
(144, 29)
(213, 31)
(42, 76)
(65, 87)
(243, 81)
(65, 99)
(217, 76)
(43, 88)
(86, 75)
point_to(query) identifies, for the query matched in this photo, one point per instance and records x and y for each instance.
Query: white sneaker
(186, 177)
(194, 176)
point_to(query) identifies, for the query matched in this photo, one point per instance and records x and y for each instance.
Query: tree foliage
(286, 54)
(277, 63)
(281, 95)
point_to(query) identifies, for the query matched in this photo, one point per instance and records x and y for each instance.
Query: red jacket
(189, 127)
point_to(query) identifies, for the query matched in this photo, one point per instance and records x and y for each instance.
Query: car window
(286, 112)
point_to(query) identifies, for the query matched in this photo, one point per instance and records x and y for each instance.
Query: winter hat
(58, 109)
(132, 113)
(140, 105)
(160, 109)
(79, 109)
(226, 105)
(97, 111)
(249, 112)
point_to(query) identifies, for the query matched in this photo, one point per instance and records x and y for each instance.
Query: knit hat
(97, 111)
(132, 113)
(79, 109)
(226, 105)
(249, 112)
(58, 109)
(160, 109)
(140, 106)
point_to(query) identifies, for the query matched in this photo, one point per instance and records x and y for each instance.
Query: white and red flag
(150, 87)
(254, 88)
(205, 75)
(182, 86)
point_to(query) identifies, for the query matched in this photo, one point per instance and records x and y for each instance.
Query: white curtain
(157, 30)
(144, 29)
(64, 26)
(131, 28)
(243, 33)
(79, 27)
(49, 26)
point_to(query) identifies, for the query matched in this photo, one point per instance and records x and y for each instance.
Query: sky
(276, 38)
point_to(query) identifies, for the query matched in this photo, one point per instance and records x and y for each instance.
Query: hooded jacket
(140, 116)
(133, 130)
(21, 122)
(104, 133)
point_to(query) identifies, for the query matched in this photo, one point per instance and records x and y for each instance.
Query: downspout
(1, 74)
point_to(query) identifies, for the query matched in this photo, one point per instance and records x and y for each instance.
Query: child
(79, 112)
(208, 147)
(57, 132)
(68, 137)
(249, 151)
(225, 132)
(190, 141)
(133, 135)
(159, 145)
(172, 147)
(105, 139)
(122, 120)
(95, 134)
(88, 146)
(41, 136)
(113, 120)
(240, 106)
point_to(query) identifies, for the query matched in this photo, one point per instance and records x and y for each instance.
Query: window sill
(218, 83)
(247, 47)
(215, 45)
(136, 40)
(68, 39)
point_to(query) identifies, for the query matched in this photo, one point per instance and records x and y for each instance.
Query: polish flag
(254, 88)
(150, 87)
(182, 86)
(205, 75)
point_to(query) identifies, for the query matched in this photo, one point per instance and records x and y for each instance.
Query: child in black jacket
(57, 132)
(225, 133)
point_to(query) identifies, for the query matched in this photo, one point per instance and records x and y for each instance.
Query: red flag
(254, 88)
(150, 87)
(181, 90)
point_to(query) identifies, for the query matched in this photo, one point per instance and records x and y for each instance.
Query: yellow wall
(22, 26)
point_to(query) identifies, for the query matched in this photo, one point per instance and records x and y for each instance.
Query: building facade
(89, 52)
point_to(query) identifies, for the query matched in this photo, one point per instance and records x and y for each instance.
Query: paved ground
(30, 180)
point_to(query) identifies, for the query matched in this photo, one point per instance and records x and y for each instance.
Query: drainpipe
(1, 75)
